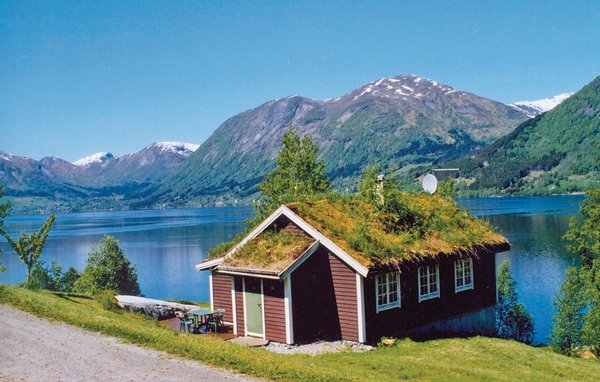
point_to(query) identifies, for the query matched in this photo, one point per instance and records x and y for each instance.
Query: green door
(254, 313)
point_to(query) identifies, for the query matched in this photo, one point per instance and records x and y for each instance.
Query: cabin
(303, 274)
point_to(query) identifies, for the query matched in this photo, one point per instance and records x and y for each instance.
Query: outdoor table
(201, 314)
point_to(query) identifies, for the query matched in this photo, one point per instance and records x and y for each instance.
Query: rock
(158, 309)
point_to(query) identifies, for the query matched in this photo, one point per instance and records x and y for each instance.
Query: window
(463, 274)
(429, 282)
(387, 288)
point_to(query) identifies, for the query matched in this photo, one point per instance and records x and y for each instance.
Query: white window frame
(389, 305)
(465, 262)
(429, 295)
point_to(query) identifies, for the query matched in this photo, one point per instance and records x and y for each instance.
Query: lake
(166, 244)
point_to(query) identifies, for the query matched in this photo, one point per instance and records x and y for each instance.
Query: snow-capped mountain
(99, 174)
(535, 108)
(400, 122)
(94, 158)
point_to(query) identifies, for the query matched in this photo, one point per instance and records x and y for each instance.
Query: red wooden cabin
(322, 290)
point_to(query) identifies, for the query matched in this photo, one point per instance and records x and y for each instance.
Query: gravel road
(35, 349)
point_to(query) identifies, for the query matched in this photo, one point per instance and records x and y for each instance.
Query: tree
(376, 187)
(590, 332)
(29, 246)
(4, 208)
(108, 269)
(52, 277)
(584, 240)
(512, 319)
(446, 188)
(568, 322)
(297, 174)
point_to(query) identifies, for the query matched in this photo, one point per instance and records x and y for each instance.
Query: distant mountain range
(98, 175)
(556, 152)
(407, 123)
(400, 122)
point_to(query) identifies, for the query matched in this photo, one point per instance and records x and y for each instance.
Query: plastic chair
(184, 321)
(216, 321)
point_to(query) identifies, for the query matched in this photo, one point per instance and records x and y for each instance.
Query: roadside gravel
(35, 349)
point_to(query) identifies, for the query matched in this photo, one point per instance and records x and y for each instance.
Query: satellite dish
(430, 183)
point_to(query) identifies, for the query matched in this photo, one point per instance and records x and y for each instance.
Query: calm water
(166, 244)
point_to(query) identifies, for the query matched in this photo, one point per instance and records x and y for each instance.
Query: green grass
(475, 358)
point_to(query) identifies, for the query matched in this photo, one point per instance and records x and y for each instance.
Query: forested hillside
(556, 152)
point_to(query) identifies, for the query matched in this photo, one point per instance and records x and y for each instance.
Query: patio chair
(185, 322)
(216, 321)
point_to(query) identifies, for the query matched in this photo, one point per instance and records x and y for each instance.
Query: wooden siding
(412, 313)
(324, 302)
(222, 295)
(239, 305)
(274, 310)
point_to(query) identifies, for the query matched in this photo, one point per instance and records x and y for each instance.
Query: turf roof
(272, 250)
(412, 226)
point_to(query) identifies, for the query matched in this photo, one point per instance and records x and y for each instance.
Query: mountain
(556, 152)
(400, 122)
(95, 176)
(535, 108)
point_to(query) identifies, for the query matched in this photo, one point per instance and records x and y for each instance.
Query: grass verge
(475, 358)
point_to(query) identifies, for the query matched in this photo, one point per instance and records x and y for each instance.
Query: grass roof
(273, 250)
(409, 226)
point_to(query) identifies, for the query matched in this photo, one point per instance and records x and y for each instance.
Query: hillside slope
(556, 152)
(399, 122)
(457, 359)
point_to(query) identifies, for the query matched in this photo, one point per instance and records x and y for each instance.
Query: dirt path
(35, 349)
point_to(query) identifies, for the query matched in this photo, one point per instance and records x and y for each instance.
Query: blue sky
(78, 77)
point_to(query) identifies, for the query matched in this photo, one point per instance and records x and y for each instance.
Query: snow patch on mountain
(401, 87)
(181, 148)
(94, 158)
(535, 108)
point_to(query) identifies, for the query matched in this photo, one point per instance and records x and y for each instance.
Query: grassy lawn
(475, 358)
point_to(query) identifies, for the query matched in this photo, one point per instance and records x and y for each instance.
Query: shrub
(107, 300)
(108, 269)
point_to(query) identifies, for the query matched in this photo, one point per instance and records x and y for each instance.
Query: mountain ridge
(95, 176)
(400, 122)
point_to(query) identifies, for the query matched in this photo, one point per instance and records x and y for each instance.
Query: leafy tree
(568, 322)
(584, 240)
(108, 269)
(377, 188)
(446, 188)
(4, 208)
(52, 277)
(29, 246)
(591, 329)
(512, 319)
(297, 174)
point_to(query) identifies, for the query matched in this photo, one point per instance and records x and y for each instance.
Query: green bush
(107, 300)
(108, 269)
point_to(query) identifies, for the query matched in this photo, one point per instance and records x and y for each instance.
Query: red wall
(324, 299)
(239, 305)
(412, 313)
(274, 310)
(222, 294)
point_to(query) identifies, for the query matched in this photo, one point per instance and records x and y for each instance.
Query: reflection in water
(166, 244)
